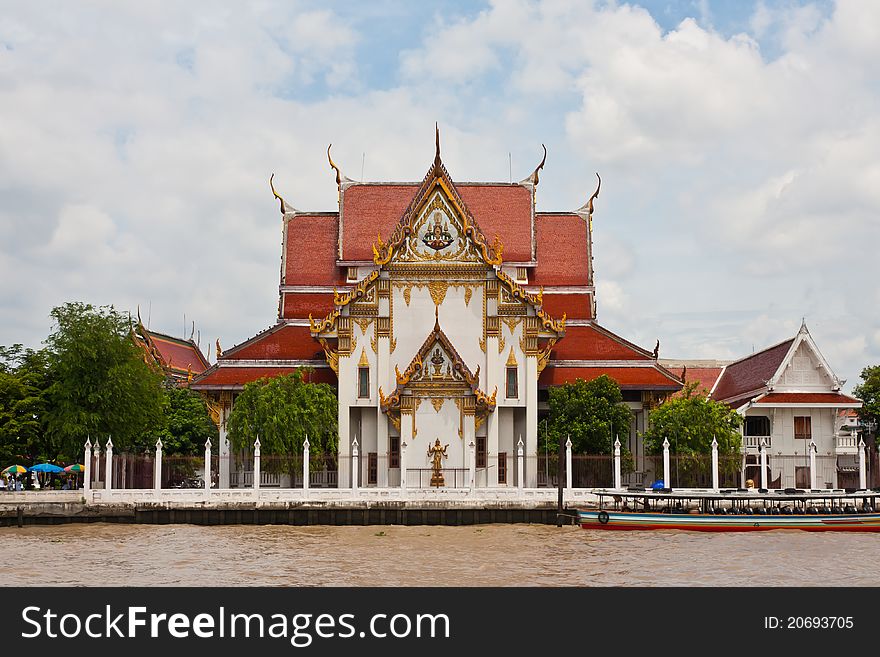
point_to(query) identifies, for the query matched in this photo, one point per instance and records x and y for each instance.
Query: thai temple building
(439, 310)
(180, 360)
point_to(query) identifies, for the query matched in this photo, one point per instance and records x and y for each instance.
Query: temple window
(502, 467)
(394, 452)
(512, 383)
(372, 468)
(363, 382)
(481, 452)
(803, 428)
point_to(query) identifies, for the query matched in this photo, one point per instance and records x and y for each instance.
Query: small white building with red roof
(791, 402)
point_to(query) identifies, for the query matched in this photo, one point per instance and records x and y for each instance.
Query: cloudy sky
(737, 142)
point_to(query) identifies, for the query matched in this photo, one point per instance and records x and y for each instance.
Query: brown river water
(487, 555)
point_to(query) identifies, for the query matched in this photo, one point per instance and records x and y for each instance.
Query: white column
(157, 467)
(813, 450)
(863, 474)
(742, 469)
(402, 463)
(87, 474)
(532, 417)
(617, 478)
(108, 464)
(762, 448)
(667, 475)
(520, 478)
(257, 475)
(493, 381)
(97, 462)
(306, 446)
(472, 463)
(568, 462)
(354, 466)
(714, 464)
(223, 452)
(208, 464)
(344, 419)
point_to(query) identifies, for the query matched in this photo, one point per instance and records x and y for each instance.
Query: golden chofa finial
(285, 208)
(533, 179)
(587, 208)
(339, 177)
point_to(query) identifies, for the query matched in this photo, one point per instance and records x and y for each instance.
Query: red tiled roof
(235, 377)
(704, 376)
(629, 378)
(808, 398)
(595, 343)
(563, 250)
(575, 306)
(281, 342)
(298, 305)
(179, 354)
(503, 209)
(750, 373)
(311, 251)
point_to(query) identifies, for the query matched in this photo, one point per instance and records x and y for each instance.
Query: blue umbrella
(45, 467)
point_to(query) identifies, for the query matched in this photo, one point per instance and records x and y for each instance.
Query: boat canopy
(787, 494)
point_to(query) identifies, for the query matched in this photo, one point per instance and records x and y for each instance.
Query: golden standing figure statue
(436, 452)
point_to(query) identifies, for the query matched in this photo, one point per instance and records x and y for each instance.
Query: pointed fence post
(354, 466)
(257, 475)
(97, 462)
(568, 473)
(208, 464)
(863, 474)
(472, 464)
(306, 446)
(762, 448)
(617, 477)
(87, 475)
(520, 475)
(714, 464)
(157, 466)
(813, 450)
(108, 464)
(667, 475)
(403, 465)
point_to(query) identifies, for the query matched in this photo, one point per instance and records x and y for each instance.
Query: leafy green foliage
(187, 423)
(24, 378)
(869, 392)
(100, 384)
(282, 411)
(690, 421)
(590, 413)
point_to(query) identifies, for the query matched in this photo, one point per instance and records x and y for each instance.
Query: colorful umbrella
(76, 467)
(46, 467)
(14, 470)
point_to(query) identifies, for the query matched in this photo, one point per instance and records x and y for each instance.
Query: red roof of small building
(310, 245)
(575, 306)
(750, 373)
(179, 354)
(236, 377)
(835, 398)
(281, 342)
(629, 378)
(298, 305)
(563, 253)
(704, 376)
(499, 209)
(593, 342)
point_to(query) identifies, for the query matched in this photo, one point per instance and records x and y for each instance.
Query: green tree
(869, 392)
(24, 380)
(100, 384)
(187, 424)
(590, 413)
(690, 421)
(282, 411)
